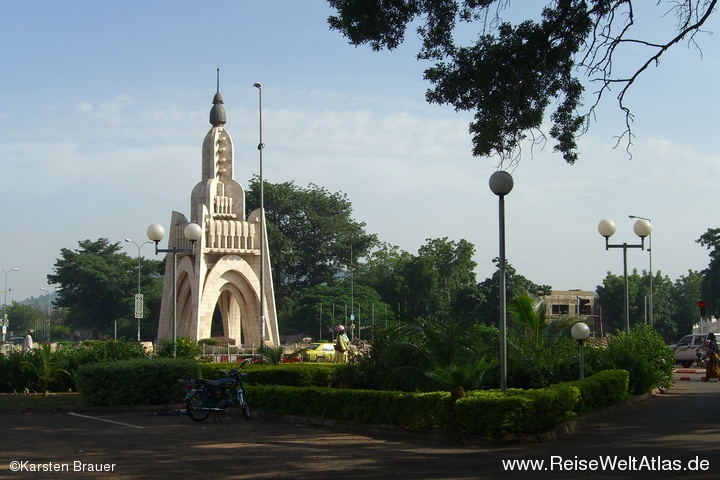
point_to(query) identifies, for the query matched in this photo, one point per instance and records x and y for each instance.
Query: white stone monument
(222, 278)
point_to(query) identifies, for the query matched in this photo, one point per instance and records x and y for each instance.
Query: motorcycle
(204, 396)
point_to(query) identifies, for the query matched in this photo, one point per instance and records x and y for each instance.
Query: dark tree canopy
(311, 234)
(97, 284)
(511, 74)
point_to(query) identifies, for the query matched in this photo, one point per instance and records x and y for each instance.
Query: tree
(311, 234)
(318, 310)
(611, 295)
(429, 283)
(488, 312)
(23, 317)
(711, 281)
(97, 284)
(685, 296)
(512, 73)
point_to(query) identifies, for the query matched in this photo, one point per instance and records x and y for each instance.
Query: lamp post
(642, 229)
(47, 328)
(138, 297)
(192, 232)
(4, 321)
(580, 332)
(261, 146)
(650, 312)
(501, 183)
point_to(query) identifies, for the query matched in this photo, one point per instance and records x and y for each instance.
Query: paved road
(678, 430)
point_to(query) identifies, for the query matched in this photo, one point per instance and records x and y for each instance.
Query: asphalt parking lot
(662, 436)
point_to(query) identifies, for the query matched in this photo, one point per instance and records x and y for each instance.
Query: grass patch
(14, 402)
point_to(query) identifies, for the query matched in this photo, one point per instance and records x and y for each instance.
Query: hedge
(134, 382)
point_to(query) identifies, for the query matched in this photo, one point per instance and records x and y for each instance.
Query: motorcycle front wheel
(197, 406)
(242, 403)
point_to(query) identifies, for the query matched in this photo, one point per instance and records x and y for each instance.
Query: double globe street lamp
(642, 229)
(138, 297)
(193, 232)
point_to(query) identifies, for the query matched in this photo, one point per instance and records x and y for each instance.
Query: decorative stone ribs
(230, 236)
(223, 207)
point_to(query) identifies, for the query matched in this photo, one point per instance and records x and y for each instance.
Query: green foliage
(318, 310)
(683, 298)
(643, 353)
(185, 347)
(487, 412)
(97, 351)
(96, 283)
(23, 317)
(13, 377)
(711, 275)
(512, 71)
(538, 365)
(489, 291)
(427, 354)
(48, 372)
(601, 390)
(134, 382)
(426, 411)
(311, 234)
(273, 355)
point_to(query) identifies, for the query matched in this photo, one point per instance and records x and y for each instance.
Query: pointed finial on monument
(217, 112)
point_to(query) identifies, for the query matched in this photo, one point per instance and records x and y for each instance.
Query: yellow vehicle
(320, 352)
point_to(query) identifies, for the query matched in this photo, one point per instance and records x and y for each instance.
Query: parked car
(685, 350)
(320, 352)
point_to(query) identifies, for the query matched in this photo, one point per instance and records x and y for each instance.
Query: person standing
(711, 359)
(341, 345)
(28, 342)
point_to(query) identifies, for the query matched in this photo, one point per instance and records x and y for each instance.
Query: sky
(104, 107)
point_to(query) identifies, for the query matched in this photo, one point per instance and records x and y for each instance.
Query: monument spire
(217, 112)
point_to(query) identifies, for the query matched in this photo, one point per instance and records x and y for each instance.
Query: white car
(685, 350)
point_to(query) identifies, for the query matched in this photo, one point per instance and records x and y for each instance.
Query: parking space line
(104, 420)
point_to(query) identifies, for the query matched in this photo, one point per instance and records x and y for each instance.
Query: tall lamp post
(47, 328)
(138, 297)
(580, 332)
(4, 321)
(501, 183)
(650, 313)
(261, 146)
(642, 229)
(155, 233)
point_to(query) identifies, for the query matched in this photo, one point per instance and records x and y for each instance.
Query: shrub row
(487, 413)
(134, 382)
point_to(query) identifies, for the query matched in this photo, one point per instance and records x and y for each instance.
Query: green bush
(601, 390)
(134, 382)
(643, 353)
(97, 351)
(534, 365)
(490, 413)
(13, 377)
(185, 347)
(425, 410)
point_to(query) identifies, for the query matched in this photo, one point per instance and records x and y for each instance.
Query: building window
(560, 309)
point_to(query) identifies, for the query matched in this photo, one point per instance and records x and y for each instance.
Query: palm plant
(49, 372)
(529, 313)
(431, 354)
